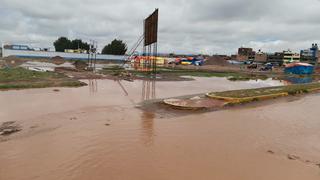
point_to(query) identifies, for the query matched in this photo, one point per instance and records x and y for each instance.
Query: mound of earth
(217, 60)
(13, 61)
(57, 60)
(80, 65)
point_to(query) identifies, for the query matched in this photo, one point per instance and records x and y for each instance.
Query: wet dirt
(96, 132)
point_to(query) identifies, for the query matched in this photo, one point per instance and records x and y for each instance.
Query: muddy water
(96, 132)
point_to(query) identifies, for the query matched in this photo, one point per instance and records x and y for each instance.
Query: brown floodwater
(96, 132)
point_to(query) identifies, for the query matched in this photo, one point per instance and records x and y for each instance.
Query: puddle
(96, 132)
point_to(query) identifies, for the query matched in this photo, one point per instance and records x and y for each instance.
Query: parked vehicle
(185, 61)
(252, 66)
(267, 67)
(248, 62)
(235, 62)
(197, 61)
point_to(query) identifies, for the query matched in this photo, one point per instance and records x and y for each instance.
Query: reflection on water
(148, 127)
(148, 93)
(123, 88)
(148, 90)
(93, 86)
(299, 80)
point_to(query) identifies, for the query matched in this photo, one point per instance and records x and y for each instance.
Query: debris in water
(293, 157)
(8, 128)
(196, 98)
(271, 152)
(56, 90)
(8, 123)
(108, 124)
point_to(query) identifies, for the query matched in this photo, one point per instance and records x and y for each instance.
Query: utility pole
(92, 56)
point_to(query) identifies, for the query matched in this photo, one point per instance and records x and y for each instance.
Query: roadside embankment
(249, 95)
(218, 100)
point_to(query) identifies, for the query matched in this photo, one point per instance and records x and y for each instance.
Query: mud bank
(96, 132)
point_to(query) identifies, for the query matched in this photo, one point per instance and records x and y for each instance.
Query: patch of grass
(113, 70)
(41, 85)
(20, 78)
(247, 93)
(176, 73)
(21, 74)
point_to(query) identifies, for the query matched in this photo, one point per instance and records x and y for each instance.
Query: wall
(261, 57)
(275, 58)
(49, 54)
(245, 51)
(242, 58)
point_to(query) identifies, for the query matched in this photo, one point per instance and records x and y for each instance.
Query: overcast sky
(186, 26)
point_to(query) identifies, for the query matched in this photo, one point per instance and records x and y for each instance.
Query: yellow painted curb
(246, 99)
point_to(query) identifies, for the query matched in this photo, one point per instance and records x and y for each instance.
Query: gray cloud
(186, 26)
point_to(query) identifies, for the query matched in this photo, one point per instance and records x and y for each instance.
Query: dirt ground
(79, 74)
(215, 67)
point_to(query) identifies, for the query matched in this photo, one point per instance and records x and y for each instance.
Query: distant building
(310, 55)
(290, 57)
(245, 54)
(81, 51)
(245, 51)
(18, 47)
(260, 56)
(234, 57)
(275, 58)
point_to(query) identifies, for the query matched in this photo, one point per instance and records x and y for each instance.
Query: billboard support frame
(150, 47)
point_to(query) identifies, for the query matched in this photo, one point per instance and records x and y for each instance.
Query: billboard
(151, 29)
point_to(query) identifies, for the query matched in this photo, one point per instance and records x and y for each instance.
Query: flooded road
(96, 132)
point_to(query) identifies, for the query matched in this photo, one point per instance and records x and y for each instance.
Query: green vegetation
(177, 74)
(20, 78)
(64, 43)
(116, 47)
(247, 95)
(21, 74)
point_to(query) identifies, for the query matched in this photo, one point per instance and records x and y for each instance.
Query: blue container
(299, 69)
